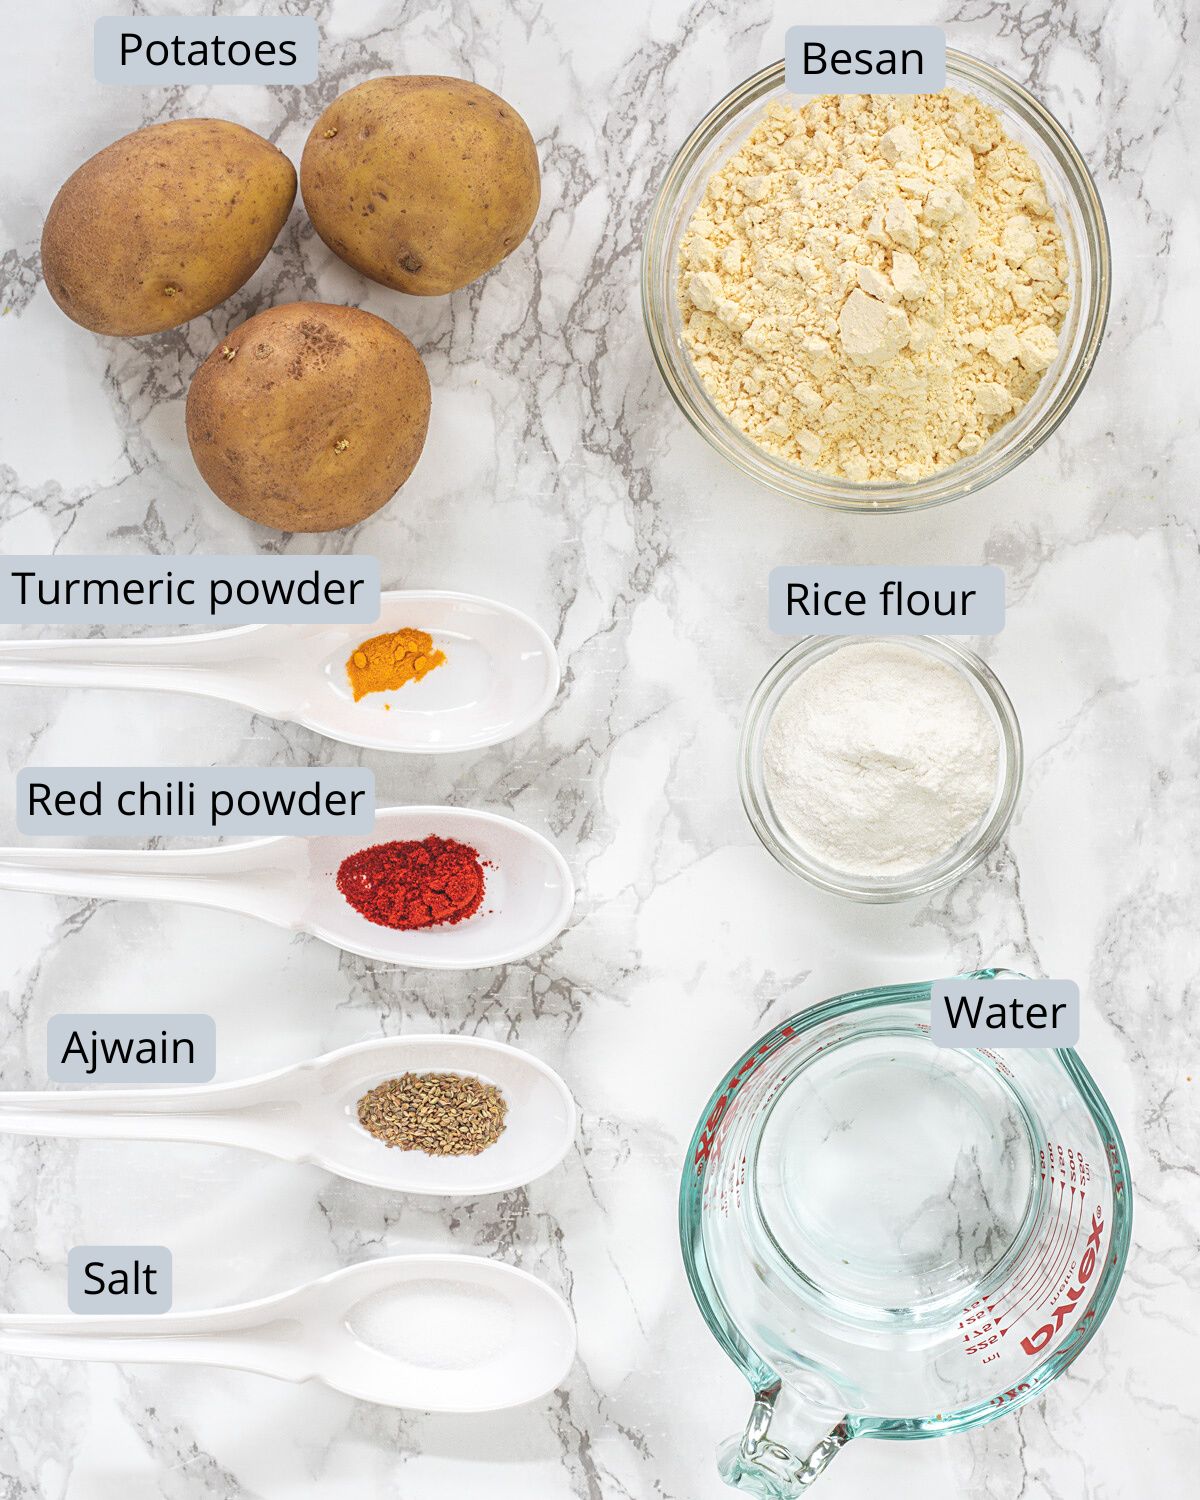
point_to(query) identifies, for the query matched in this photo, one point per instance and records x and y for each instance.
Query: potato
(164, 224)
(309, 417)
(421, 183)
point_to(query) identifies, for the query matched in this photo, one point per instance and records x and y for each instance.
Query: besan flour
(872, 285)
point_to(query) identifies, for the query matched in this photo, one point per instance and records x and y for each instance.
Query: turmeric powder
(388, 661)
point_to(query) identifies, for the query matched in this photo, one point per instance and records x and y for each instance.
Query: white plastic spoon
(292, 883)
(431, 1332)
(308, 1113)
(499, 677)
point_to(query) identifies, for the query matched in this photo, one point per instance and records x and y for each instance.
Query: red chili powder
(409, 883)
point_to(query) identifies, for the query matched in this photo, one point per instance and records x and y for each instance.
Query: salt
(439, 1325)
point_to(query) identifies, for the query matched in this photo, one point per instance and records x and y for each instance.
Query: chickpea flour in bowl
(880, 768)
(893, 301)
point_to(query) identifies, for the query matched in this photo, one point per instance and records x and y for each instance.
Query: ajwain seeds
(442, 1114)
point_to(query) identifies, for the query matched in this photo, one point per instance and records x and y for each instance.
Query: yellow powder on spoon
(386, 662)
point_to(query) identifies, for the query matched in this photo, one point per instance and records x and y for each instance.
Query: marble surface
(559, 476)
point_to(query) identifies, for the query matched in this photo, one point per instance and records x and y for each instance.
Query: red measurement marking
(1071, 1239)
(1006, 1396)
(1114, 1162)
(1034, 1267)
(1064, 1235)
(1036, 1257)
(997, 1061)
(1047, 1269)
(1068, 1305)
(1061, 1264)
(751, 1065)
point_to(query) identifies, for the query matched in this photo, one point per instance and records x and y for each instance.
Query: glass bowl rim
(874, 890)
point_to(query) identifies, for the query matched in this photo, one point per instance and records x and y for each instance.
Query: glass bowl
(1080, 215)
(956, 862)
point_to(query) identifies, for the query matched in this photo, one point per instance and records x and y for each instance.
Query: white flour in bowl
(879, 759)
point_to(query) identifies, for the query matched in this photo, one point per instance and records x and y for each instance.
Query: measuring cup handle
(757, 1465)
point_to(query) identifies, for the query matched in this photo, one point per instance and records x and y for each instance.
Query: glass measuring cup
(893, 1239)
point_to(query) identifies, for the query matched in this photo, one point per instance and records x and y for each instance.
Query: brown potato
(309, 417)
(421, 183)
(164, 224)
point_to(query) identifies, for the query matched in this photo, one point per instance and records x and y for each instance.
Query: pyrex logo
(1038, 1340)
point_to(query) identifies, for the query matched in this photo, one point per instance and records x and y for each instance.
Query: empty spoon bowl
(499, 677)
(308, 1112)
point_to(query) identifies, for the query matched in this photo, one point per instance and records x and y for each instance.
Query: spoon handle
(213, 1114)
(255, 876)
(261, 1339)
(189, 664)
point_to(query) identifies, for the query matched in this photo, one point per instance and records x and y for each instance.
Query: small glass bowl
(953, 865)
(1076, 205)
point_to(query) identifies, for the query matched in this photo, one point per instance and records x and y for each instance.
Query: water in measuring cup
(892, 1179)
(897, 1230)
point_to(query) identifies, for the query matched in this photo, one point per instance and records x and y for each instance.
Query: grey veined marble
(559, 476)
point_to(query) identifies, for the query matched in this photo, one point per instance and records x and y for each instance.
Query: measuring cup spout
(758, 1465)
